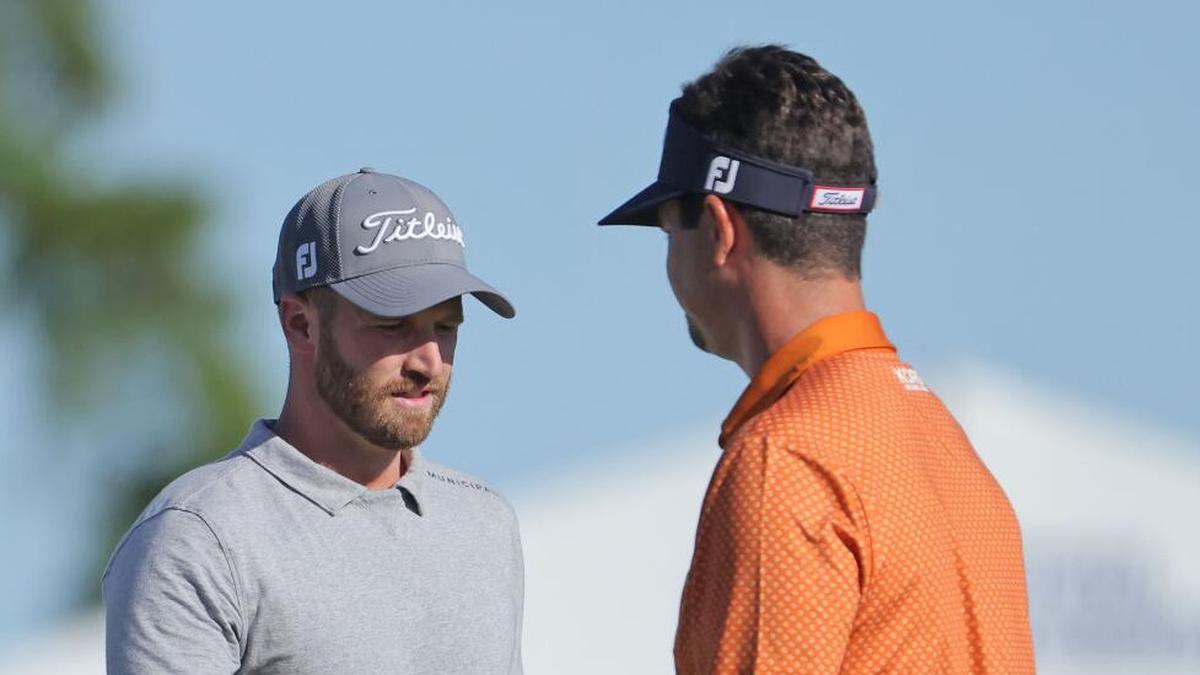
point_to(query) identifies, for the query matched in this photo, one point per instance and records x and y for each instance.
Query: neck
(779, 304)
(308, 425)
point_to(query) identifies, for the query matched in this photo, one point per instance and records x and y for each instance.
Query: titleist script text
(428, 227)
(837, 199)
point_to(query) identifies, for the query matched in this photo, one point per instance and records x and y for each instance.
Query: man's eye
(448, 327)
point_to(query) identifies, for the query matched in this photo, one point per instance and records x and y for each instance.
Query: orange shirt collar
(827, 337)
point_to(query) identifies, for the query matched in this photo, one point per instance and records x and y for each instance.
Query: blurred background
(1032, 254)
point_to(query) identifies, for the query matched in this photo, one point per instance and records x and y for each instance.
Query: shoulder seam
(233, 575)
(758, 546)
(184, 501)
(237, 586)
(808, 455)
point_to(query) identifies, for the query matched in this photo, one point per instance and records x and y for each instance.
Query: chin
(699, 338)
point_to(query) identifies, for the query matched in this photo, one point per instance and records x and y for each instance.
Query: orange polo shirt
(850, 527)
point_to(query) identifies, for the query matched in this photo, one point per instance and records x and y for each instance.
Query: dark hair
(781, 105)
(325, 300)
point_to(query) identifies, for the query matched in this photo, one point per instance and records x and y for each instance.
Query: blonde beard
(368, 411)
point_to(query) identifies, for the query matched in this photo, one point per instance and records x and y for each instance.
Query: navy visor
(692, 164)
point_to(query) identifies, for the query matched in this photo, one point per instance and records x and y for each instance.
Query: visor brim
(402, 291)
(642, 208)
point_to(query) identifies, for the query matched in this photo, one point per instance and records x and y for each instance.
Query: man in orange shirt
(849, 526)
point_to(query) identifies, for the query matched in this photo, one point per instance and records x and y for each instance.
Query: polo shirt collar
(830, 336)
(321, 485)
(413, 480)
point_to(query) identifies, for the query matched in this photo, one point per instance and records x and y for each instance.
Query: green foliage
(105, 272)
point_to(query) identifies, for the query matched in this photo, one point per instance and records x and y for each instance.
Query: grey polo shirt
(267, 562)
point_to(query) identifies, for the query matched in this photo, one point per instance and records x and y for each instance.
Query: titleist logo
(427, 227)
(837, 199)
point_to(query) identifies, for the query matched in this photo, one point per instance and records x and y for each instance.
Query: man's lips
(421, 398)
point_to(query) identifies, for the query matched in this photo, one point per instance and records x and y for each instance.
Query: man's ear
(298, 318)
(729, 230)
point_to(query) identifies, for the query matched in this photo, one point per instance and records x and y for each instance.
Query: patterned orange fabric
(850, 527)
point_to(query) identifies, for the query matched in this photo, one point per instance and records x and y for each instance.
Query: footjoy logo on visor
(722, 174)
(427, 227)
(836, 199)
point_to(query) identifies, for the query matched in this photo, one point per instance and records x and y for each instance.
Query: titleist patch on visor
(837, 198)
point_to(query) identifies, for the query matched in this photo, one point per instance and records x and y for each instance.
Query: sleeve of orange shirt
(796, 558)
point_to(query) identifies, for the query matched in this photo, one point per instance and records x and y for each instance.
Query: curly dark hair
(782, 105)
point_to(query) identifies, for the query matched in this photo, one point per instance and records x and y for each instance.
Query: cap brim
(401, 291)
(642, 209)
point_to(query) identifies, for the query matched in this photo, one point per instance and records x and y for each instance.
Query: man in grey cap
(327, 542)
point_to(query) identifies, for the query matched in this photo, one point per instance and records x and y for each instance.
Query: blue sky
(1035, 161)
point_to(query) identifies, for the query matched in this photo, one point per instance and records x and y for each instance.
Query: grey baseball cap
(383, 242)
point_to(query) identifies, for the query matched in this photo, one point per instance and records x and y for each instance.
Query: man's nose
(426, 359)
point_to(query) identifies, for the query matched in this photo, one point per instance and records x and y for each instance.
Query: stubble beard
(370, 411)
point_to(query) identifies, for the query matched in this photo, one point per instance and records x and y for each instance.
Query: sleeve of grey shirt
(171, 601)
(519, 584)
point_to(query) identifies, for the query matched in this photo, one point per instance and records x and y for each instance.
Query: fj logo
(306, 261)
(722, 173)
